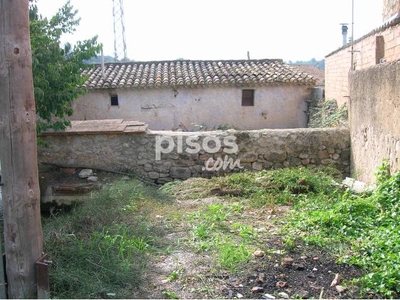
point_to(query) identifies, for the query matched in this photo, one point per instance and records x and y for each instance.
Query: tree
(18, 153)
(57, 69)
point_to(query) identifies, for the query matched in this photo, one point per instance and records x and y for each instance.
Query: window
(247, 97)
(379, 49)
(114, 100)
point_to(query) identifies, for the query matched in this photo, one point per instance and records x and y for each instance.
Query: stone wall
(375, 119)
(382, 44)
(198, 153)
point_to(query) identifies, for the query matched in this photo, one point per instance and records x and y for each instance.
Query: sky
(223, 29)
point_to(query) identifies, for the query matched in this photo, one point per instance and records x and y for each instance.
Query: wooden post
(23, 240)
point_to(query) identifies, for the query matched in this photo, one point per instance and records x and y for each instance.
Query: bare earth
(197, 275)
(309, 276)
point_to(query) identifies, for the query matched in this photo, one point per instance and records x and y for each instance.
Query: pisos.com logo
(209, 145)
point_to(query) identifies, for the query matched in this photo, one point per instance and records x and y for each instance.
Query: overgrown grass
(213, 231)
(362, 229)
(99, 249)
(325, 113)
(281, 186)
(365, 228)
(219, 229)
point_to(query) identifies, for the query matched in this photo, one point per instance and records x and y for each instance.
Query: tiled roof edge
(213, 85)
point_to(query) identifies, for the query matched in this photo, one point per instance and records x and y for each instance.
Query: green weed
(245, 231)
(363, 228)
(232, 255)
(100, 247)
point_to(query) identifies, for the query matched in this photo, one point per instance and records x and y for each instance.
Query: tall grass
(99, 248)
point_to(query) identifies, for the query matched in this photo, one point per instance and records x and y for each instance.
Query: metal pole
(352, 35)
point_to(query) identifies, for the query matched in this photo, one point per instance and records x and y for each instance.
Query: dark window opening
(380, 50)
(247, 97)
(114, 100)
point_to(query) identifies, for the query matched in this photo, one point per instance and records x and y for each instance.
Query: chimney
(344, 33)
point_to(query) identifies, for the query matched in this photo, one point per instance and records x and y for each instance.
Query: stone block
(323, 154)
(303, 155)
(327, 161)
(276, 156)
(180, 173)
(248, 157)
(85, 173)
(184, 163)
(345, 155)
(257, 166)
(153, 175)
(148, 167)
(164, 180)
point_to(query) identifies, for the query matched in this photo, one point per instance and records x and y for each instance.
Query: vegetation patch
(362, 229)
(279, 233)
(100, 248)
(325, 113)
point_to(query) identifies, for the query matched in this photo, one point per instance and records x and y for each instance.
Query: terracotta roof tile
(191, 73)
(317, 73)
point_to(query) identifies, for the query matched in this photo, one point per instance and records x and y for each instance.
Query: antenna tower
(119, 31)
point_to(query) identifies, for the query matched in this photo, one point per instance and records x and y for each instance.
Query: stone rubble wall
(256, 150)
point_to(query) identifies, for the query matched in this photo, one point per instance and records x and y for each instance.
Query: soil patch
(181, 270)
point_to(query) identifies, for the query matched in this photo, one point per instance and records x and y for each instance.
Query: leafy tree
(312, 62)
(57, 69)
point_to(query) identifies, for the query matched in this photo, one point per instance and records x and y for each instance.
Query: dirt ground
(309, 276)
(299, 272)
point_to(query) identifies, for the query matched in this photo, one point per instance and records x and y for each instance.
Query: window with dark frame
(114, 100)
(247, 97)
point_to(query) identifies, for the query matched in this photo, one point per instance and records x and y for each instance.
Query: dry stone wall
(165, 156)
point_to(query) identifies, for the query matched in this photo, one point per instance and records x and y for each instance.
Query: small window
(247, 97)
(114, 100)
(379, 49)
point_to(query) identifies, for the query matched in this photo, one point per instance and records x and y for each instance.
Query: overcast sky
(224, 29)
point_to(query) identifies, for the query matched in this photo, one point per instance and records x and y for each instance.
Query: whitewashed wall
(166, 109)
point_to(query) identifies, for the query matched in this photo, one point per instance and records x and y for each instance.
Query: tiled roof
(317, 73)
(191, 73)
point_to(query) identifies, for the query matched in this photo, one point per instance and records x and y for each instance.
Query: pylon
(119, 31)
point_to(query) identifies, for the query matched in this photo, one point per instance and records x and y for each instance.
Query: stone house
(378, 46)
(191, 94)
